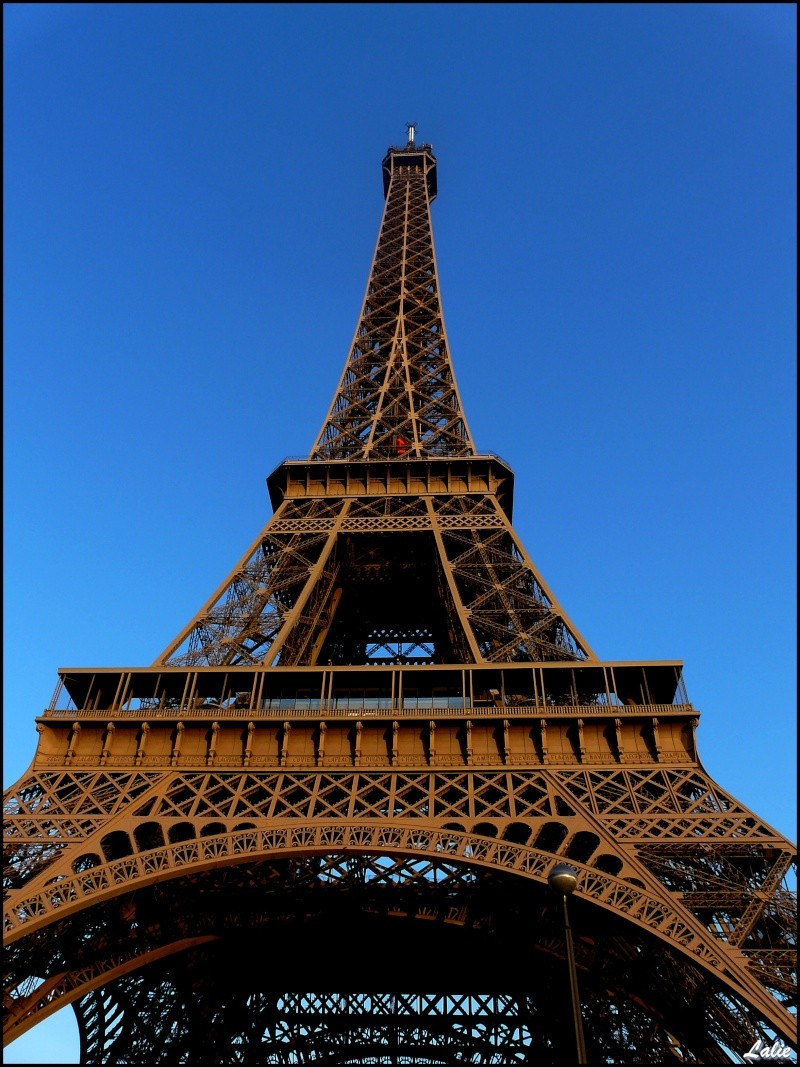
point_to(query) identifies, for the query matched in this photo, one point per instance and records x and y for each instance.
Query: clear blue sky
(192, 198)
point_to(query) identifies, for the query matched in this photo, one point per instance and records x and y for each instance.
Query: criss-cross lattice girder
(397, 395)
(372, 744)
(393, 542)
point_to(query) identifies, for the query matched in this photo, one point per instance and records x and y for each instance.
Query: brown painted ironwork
(355, 767)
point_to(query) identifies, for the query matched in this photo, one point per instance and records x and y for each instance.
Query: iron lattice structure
(318, 828)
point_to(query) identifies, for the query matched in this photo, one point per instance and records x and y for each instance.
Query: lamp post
(563, 880)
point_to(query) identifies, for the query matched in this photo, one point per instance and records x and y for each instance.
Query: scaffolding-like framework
(355, 766)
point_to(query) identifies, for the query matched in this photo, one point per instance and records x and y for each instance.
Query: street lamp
(563, 880)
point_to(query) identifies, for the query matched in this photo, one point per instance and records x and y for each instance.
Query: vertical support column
(176, 747)
(618, 737)
(321, 743)
(357, 745)
(656, 739)
(581, 745)
(108, 737)
(72, 744)
(248, 748)
(211, 758)
(140, 751)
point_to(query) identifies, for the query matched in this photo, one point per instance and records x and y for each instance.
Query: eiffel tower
(319, 828)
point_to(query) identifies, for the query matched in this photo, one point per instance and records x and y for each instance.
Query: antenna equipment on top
(412, 129)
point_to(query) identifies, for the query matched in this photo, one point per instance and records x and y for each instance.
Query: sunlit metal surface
(356, 766)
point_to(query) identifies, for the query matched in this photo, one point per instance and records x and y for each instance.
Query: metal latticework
(416, 580)
(319, 828)
(394, 542)
(397, 395)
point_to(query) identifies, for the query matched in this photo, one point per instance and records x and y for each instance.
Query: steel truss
(173, 956)
(355, 766)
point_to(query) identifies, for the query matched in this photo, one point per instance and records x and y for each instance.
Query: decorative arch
(90, 888)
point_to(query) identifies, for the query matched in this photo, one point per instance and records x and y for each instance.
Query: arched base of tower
(467, 966)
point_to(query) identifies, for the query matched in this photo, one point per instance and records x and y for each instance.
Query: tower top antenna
(412, 129)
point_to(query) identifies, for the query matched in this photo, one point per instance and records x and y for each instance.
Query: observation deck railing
(281, 710)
